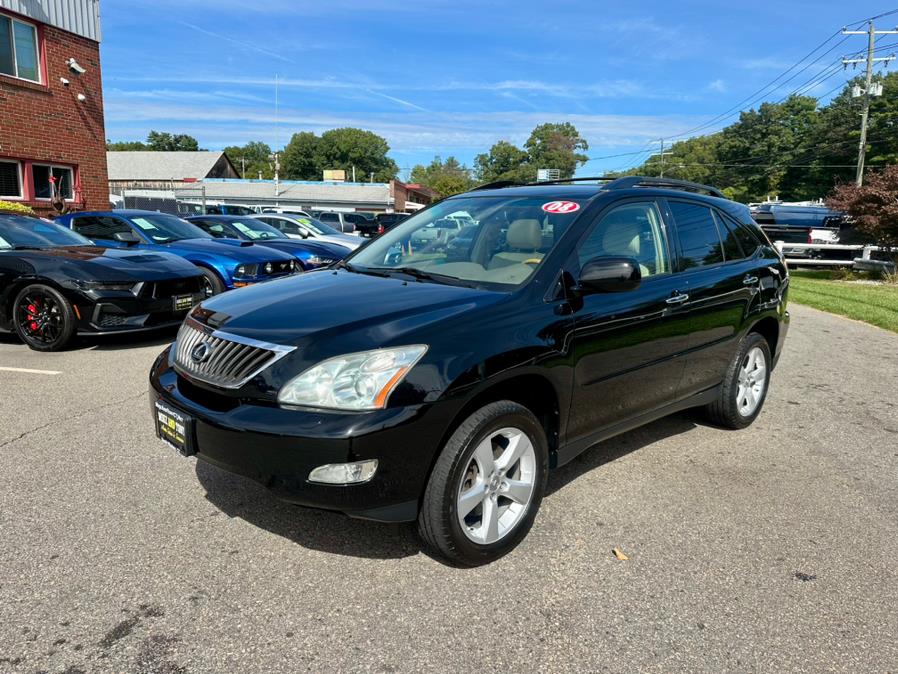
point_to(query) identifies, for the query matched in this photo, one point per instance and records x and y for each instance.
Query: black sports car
(54, 283)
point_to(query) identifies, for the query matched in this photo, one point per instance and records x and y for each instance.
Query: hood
(233, 249)
(342, 240)
(317, 247)
(330, 306)
(109, 264)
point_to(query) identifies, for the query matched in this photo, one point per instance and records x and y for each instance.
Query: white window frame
(70, 169)
(37, 46)
(21, 196)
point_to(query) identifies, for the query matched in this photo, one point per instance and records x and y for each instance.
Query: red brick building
(52, 136)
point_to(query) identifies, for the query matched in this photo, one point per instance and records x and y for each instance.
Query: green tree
(158, 141)
(504, 161)
(298, 160)
(350, 148)
(255, 156)
(555, 146)
(446, 178)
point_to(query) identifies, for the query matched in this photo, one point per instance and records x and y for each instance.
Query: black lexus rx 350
(55, 284)
(441, 370)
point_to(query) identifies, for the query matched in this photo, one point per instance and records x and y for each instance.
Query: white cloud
(717, 85)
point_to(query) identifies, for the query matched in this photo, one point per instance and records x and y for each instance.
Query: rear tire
(43, 318)
(211, 283)
(486, 486)
(745, 386)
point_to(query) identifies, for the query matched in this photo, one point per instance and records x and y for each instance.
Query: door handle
(749, 280)
(677, 299)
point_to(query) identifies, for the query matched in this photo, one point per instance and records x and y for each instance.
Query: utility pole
(869, 90)
(663, 153)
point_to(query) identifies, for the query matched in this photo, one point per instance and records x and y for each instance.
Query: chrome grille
(226, 360)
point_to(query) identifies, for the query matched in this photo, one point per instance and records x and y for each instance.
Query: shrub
(873, 207)
(11, 207)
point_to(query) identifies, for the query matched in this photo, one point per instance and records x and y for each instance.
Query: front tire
(43, 318)
(211, 284)
(745, 386)
(486, 486)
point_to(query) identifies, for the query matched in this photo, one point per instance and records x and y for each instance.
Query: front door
(626, 346)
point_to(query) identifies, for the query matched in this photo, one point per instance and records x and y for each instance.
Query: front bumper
(279, 447)
(123, 312)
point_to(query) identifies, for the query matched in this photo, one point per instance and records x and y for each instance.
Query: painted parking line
(25, 370)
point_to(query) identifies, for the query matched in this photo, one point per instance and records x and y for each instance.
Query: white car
(302, 227)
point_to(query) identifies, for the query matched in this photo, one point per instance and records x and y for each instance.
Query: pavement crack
(74, 417)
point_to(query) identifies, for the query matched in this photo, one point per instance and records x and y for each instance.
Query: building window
(47, 178)
(19, 56)
(10, 180)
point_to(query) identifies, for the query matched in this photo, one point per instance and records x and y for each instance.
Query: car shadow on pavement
(106, 342)
(336, 533)
(321, 530)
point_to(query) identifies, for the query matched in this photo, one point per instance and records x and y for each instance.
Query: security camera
(74, 67)
(64, 81)
(81, 97)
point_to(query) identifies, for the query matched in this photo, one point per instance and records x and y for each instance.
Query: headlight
(356, 381)
(319, 261)
(244, 270)
(268, 268)
(100, 285)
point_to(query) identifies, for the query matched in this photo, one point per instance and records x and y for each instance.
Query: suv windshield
(162, 228)
(485, 241)
(19, 230)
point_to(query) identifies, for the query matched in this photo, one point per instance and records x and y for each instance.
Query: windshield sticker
(144, 224)
(562, 207)
(251, 233)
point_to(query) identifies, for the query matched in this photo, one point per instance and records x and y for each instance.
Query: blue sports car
(311, 254)
(224, 263)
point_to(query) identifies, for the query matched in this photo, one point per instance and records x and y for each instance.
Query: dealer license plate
(182, 302)
(175, 428)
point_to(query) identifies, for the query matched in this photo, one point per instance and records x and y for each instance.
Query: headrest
(525, 235)
(622, 238)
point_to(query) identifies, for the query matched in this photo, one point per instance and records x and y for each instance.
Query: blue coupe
(224, 263)
(311, 254)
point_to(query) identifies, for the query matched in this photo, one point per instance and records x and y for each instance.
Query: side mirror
(609, 275)
(128, 237)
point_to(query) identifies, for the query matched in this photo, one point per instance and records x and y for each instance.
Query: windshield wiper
(422, 275)
(30, 247)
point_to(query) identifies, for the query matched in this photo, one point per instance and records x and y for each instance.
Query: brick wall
(46, 122)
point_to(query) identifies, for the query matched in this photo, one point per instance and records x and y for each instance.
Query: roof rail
(498, 184)
(669, 183)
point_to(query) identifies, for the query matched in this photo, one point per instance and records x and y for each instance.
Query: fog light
(268, 268)
(344, 473)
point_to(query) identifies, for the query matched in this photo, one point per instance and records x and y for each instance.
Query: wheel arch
(769, 328)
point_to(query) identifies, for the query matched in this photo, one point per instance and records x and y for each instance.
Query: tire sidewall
(751, 341)
(68, 318)
(218, 285)
(469, 440)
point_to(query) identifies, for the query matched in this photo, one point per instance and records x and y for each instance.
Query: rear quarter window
(700, 243)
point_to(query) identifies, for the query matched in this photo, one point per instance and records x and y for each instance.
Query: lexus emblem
(201, 353)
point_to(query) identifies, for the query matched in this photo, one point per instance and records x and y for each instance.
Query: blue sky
(452, 77)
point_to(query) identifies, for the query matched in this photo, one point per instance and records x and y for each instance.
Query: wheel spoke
(517, 444)
(517, 490)
(483, 455)
(489, 525)
(471, 499)
(760, 373)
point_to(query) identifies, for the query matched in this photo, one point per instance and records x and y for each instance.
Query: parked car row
(131, 270)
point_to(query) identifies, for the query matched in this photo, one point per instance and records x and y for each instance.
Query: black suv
(440, 371)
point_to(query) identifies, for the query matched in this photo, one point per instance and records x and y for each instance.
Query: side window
(630, 230)
(99, 227)
(699, 240)
(732, 249)
(749, 241)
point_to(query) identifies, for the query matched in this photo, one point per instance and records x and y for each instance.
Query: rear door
(720, 283)
(626, 346)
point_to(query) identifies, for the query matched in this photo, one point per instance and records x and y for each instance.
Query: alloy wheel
(752, 382)
(497, 486)
(40, 317)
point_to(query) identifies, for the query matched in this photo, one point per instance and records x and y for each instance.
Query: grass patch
(874, 304)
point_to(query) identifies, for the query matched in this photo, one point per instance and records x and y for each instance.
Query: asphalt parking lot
(769, 549)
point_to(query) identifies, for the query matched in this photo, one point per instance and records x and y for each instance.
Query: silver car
(302, 227)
